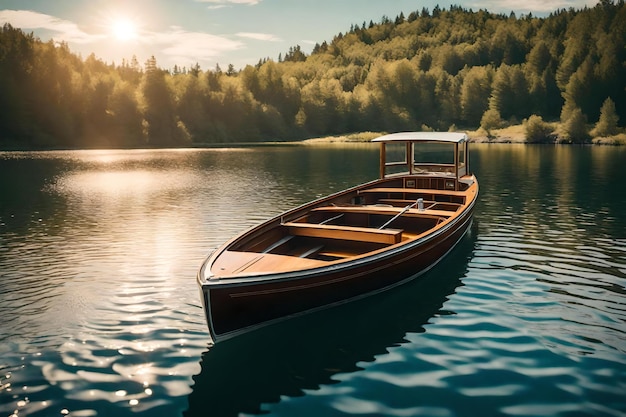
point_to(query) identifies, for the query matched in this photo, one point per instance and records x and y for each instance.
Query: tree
(544, 95)
(295, 54)
(447, 93)
(490, 121)
(231, 71)
(449, 59)
(577, 43)
(507, 46)
(195, 70)
(537, 131)
(475, 92)
(269, 86)
(510, 92)
(607, 125)
(574, 129)
(539, 57)
(162, 129)
(17, 56)
(321, 105)
(125, 119)
(424, 61)
(192, 106)
(96, 115)
(581, 90)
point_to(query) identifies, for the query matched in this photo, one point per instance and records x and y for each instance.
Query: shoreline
(513, 134)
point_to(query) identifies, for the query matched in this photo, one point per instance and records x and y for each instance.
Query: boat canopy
(454, 137)
(424, 153)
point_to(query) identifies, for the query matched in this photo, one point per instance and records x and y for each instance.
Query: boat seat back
(328, 231)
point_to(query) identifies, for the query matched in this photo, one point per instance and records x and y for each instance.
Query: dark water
(100, 314)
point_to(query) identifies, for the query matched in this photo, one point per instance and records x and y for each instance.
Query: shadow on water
(242, 374)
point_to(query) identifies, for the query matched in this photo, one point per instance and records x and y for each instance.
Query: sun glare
(124, 29)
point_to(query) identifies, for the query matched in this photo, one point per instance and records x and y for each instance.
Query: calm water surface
(100, 313)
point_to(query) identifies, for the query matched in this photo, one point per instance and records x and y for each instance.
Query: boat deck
(238, 262)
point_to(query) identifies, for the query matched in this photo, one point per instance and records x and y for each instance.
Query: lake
(101, 316)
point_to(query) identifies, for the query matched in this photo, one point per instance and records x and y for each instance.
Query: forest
(435, 69)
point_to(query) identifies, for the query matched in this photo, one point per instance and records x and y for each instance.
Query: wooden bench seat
(427, 203)
(390, 210)
(425, 191)
(329, 231)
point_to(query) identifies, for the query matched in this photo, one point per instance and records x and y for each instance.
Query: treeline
(426, 70)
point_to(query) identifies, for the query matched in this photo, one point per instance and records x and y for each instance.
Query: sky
(212, 32)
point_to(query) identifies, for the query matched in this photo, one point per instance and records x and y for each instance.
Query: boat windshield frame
(409, 145)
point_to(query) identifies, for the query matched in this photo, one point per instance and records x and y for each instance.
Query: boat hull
(236, 306)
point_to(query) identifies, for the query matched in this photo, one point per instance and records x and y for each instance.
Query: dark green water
(100, 314)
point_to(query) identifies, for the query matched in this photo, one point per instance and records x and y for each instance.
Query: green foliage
(422, 69)
(574, 129)
(475, 93)
(490, 121)
(162, 128)
(510, 92)
(537, 131)
(607, 125)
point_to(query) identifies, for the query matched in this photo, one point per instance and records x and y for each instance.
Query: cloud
(181, 46)
(174, 45)
(534, 6)
(223, 3)
(64, 30)
(259, 36)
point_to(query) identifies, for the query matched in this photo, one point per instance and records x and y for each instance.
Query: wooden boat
(350, 244)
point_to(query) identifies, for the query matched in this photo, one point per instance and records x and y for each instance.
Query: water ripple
(538, 328)
(99, 249)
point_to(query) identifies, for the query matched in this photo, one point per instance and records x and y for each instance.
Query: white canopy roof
(453, 137)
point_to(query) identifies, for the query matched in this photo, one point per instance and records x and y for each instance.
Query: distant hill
(427, 69)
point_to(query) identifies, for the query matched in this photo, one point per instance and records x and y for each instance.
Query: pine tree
(510, 92)
(575, 127)
(159, 107)
(607, 125)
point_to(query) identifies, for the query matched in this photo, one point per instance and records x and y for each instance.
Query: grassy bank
(511, 134)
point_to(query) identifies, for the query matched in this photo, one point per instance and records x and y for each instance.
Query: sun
(124, 29)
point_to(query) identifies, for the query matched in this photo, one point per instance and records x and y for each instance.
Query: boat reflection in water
(242, 374)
